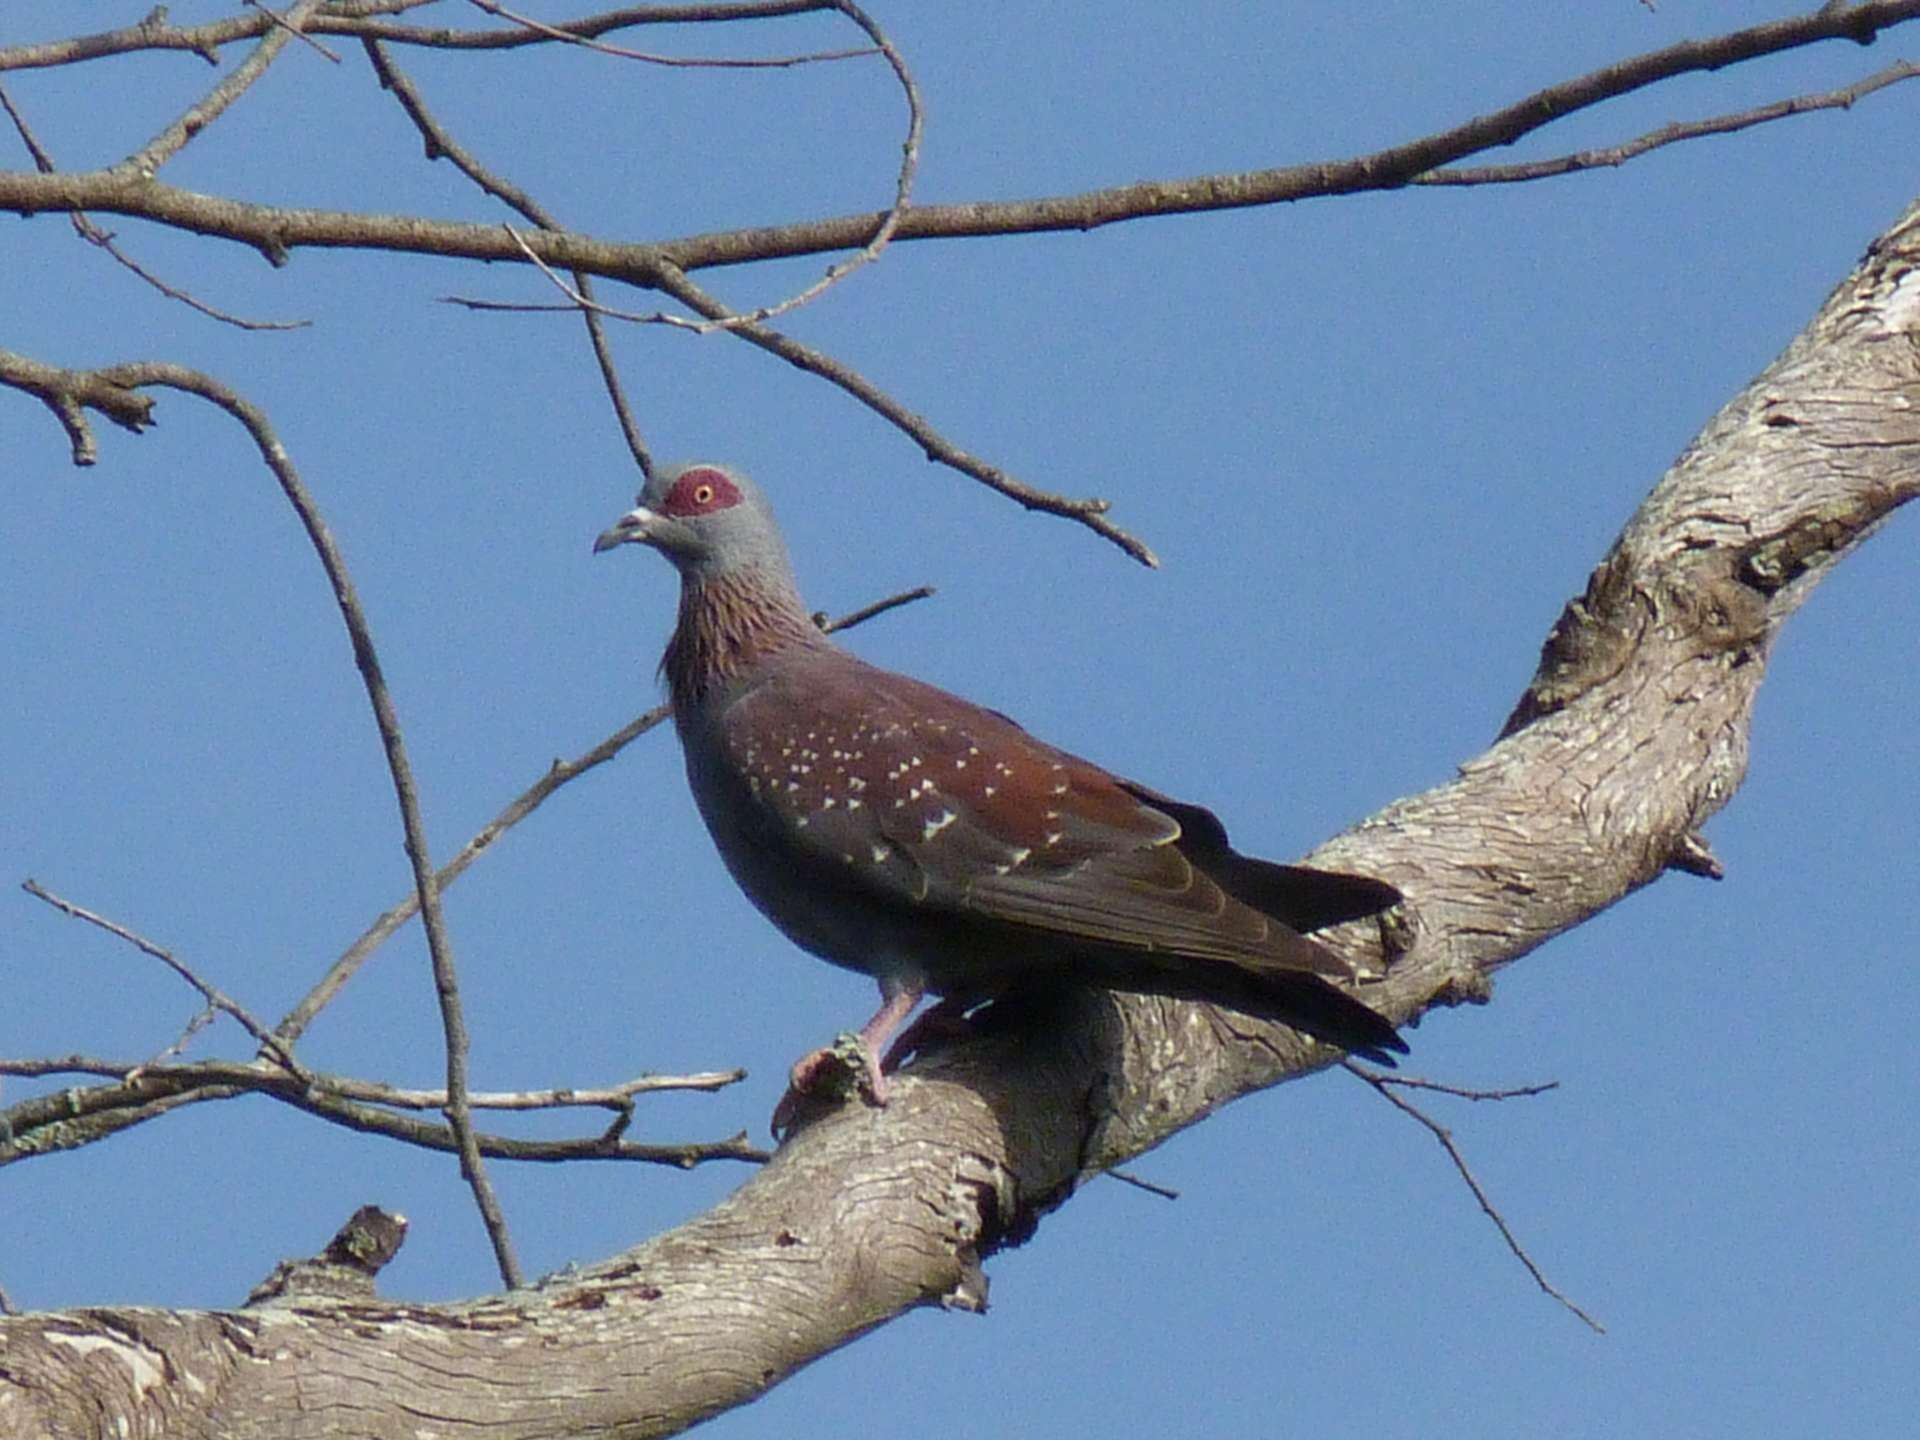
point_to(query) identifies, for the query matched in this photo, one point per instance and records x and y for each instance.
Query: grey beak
(635, 528)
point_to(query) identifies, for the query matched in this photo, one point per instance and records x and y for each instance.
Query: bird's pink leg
(895, 1006)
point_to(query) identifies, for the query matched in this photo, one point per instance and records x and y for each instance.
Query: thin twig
(85, 227)
(1840, 99)
(1091, 512)
(1445, 1137)
(49, 1123)
(42, 161)
(94, 235)
(440, 142)
(1127, 1177)
(522, 805)
(903, 185)
(360, 18)
(208, 992)
(572, 36)
(145, 161)
(374, 1092)
(367, 660)
(200, 1021)
(867, 612)
(277, 19)
(1414, 1082)
(870, 251)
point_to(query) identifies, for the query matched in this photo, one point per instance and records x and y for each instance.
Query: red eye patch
(700, 491)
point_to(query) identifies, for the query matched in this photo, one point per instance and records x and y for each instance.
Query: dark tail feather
(1328, 1013)
(1298, 897)
(1293, 997)
(1301, 898)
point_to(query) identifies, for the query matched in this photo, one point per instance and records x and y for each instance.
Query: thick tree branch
(1633, 734)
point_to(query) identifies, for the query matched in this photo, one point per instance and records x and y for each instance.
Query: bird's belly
(813, 905)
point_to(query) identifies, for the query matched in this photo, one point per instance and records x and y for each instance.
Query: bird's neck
(728, 625)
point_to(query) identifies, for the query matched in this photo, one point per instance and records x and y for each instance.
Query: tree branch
(276, 230)
(1633, 733)
(366, 658)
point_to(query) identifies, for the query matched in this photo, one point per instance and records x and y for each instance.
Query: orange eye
(703, 494)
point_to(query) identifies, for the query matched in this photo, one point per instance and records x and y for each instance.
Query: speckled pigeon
(901, 831)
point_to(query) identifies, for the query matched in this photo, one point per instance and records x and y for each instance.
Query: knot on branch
(1707, 609)
(345, 1269)
(1589, 644)
(1711, 602)
(1772, 563)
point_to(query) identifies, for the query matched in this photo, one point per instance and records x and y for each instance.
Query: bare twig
(373, 1092)
(48, 1123)
(1414, 1082)
(1127, 1177)
(439, 142)
(42, 161)
(867, 612)
(200, 1021)
(367, 660)
(84, 226)
(903, 185)
(214, 997)
(170, 141)
(1840, 99)
(360, 18)
(522, 805)
(1091, 512)
(279, 20)
(1445, 1137)
(884, 233)
(94, 235)
(573, 36)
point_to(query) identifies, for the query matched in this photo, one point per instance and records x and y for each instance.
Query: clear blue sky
(1377, 442)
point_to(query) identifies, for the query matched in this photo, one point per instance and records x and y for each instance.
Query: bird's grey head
(709, 520)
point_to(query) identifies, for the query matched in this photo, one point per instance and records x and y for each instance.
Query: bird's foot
(826, 1077)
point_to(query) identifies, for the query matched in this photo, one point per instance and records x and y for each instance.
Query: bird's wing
(923, 798)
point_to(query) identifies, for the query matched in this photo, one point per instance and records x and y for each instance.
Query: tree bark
(1633, 733)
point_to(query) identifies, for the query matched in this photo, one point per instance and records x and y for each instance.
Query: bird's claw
(827, 1077)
